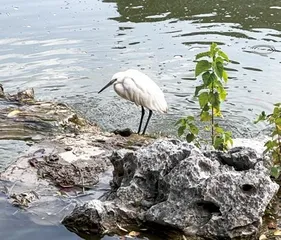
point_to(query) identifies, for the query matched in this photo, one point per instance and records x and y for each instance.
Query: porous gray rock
(173, 185)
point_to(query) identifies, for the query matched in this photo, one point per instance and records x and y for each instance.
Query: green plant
(210, 94)
(187, 124)
(273, 146)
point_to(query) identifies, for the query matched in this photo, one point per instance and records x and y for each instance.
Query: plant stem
(279, 144)
(212, 117)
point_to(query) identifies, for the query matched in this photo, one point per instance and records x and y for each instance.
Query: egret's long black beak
(107, 85)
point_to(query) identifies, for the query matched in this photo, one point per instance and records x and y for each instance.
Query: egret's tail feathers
(159, 106)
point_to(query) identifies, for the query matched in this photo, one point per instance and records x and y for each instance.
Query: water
(68, 50)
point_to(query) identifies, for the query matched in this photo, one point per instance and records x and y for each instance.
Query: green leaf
(197, 144)
(190, 137)
(274, 133)
(276, 156)
(213, 49)
(190, 118)
(219, 59)
(198, 89)
(203, 99)
(222, 93)
(206, 108)
(275, 172)
(180, 121)
(205, 116)
(203, 54)
(219, 130)
(206, 77)
(278, 121)
(270, 144)
(214, 100)
(261, 117)
(277, 104)
(202, 66)
(223, 55)
(213, 78)
(181, 130)
(217, 112)
(276, 111)
(230, 141)
(193, 129)
(224, 76)
(219, 69)
(228, 134)
(218, 143)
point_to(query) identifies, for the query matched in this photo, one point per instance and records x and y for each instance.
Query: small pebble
(29, 143)
(53, 158)
(123, 132)
(262, 237)
(68, 148)
(272, 225)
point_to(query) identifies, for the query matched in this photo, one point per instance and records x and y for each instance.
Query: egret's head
(117, 77)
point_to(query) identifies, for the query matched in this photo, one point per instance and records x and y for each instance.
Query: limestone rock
(172, 185)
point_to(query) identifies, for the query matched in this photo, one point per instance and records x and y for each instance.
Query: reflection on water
(249, 15)
(68, 50)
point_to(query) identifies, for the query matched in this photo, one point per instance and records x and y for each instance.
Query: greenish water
(68, 50)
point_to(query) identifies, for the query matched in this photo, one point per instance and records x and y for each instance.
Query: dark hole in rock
(241, 158)
(162, 196)
(204, 166)
(209, 206)
(111, 213)
(160, 231)
(174, 141)
(248, 188)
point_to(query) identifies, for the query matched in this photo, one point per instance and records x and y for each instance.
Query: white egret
(140, 89)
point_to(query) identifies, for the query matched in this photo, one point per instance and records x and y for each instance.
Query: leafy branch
(211, 93)
(273, 146)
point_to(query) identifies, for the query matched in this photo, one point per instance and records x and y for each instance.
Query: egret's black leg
(142, 114)
(149, 116)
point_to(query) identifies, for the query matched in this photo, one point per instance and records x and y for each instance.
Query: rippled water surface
(68, 50)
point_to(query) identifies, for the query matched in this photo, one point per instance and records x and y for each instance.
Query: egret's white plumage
(140, 89)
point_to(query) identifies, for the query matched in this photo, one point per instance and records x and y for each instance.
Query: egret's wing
(140, 89)
(150, 96)
(129, 90)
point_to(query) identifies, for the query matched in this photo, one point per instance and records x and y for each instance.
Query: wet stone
(172, 186)
(65, 160)
(66, 175)
(68, 148)
(123, 132)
